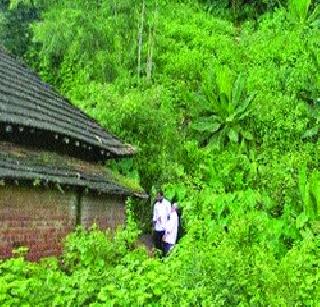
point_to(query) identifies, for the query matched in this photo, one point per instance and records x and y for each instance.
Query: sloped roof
(27, 101)
(21, 163)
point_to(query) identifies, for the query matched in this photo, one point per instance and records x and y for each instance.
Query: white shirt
(160, 214)
(171, 228)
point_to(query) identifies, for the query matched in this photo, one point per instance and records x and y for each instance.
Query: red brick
(41, 218)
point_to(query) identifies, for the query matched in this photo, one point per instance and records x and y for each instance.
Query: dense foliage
(222, 99)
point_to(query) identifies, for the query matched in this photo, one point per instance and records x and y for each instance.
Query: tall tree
(15, 33)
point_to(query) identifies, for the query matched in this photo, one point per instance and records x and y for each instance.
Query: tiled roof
(26, 164)
(27, 101)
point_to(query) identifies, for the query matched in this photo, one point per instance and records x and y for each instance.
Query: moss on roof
(19, 162)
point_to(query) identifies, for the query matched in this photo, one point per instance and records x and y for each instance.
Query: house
(52, 176)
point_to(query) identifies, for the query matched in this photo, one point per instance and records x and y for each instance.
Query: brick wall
(108, 211)
(38, 218)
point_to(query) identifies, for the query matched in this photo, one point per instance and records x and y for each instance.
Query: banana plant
(224, 109)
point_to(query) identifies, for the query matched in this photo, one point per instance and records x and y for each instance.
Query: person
(171, 229)
(161, 211)
(180, 230)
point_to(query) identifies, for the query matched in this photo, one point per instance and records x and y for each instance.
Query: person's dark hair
(160, 192)
(174, 199)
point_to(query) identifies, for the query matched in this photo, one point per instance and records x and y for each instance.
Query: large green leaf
(202, 103)
(304, 189)
(224, 102)
(247, 135)
(224, 81)
(234, 135)
(230, 118)
(244, 115)
(310, 133)
(244, 105)
(207, 124)
(237, 90)
(308, 208)
(301, 220)
(302, 179)
(215, 142)
(315, 190)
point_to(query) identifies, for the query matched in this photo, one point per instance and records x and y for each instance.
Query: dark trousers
(167, 248)
(159, 244)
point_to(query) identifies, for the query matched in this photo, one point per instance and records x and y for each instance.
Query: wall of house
(35, 217)
(107, 211)
(40, 218)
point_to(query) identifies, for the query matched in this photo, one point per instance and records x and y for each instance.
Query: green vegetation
(226, 113)
(222, 100)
